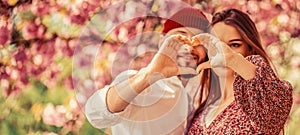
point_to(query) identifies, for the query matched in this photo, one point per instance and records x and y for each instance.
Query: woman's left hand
(219, 53)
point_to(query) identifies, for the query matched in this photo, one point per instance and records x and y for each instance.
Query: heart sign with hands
(165, 61)
(219, 53)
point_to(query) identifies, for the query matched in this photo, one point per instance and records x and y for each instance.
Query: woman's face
(231, 37)
(189, 56)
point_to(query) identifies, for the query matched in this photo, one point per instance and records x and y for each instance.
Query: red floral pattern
(261, 105)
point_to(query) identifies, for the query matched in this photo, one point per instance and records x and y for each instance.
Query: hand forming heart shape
(189, 41)
(218, 53)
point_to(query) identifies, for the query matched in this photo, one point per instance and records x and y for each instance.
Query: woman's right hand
(219, 53)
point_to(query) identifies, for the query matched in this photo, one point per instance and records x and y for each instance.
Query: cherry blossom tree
(39, 43)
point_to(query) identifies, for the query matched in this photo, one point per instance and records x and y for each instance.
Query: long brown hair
(246, 28)
(248, 31)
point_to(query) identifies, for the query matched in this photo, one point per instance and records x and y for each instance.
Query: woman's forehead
(225, 32)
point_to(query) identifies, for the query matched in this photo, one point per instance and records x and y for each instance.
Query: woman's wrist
(234, 59)
(241, 66)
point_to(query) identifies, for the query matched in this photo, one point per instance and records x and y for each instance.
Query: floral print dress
(261, 105)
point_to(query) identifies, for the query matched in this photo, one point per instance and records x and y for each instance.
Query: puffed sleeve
(266, 99)
(96, 110)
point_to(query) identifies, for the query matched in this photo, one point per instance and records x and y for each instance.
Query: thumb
(203, 66)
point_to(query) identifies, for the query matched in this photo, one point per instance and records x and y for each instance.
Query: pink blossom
(60, 44)
(46, 50)
(4, 34)
(76, 122)
(51, 76)
(8, 88)
(31, 30)
(64, 47)
(283, 19)
(261, 26)
(266, 5)
(20, 55)
(80, 11)
(54, 115)
(71, 46)
(4, 86)
(40, 8)
(38, 60)
(68, 83)
(253, 6)
(79, 19)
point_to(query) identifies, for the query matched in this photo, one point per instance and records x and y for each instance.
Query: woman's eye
(235, 45)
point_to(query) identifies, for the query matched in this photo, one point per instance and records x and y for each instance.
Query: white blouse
(163, 108)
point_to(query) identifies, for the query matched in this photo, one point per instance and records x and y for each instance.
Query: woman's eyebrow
(232, 40)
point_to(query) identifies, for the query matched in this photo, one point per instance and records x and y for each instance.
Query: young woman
(253, 99)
